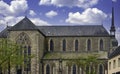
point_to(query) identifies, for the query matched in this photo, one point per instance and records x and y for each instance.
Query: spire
(112, 16)
(112, 29)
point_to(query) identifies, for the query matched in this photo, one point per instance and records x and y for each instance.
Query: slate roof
(83, 30)
(115, 53)
(4, 33)
(86, 30)
(24, 24)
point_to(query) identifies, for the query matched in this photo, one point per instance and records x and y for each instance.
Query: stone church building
(54, 46)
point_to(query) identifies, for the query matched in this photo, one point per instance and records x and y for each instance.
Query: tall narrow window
(64, 45)
(101, 69)
(51, 45)
(91, 69)
(76, 45)
(27, 53)
(24, 40)
(88, 45)
(69, 69)
(87, 69)
(29, 59)
(25, 59)
(118, 62)
(101, 44)
(114, 63)
(47, 69)
(109, 65)
(74, 69)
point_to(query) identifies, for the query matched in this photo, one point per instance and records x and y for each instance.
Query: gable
(82, 30)
(24, 24)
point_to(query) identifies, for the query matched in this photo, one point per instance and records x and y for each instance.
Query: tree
(90, 61)
(10, 55)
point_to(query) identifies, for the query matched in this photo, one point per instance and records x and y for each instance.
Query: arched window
(76, 45)
(47, 69)
(101, 44)
(88, 45)
(91, 69)
(87, 69)
(82, 71)
(101, 69)
(29, 59)
(24, 40)
(64, 45)
(51, 45)
(74, 69)
(69, 69)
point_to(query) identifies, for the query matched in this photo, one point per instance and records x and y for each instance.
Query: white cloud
(114, 0)
(91, 16)
(118, 34)
(11, 21)
(39, 22)
(70, 3)
(51, 14)
(11, 14)
(16, 7)
(32, 13)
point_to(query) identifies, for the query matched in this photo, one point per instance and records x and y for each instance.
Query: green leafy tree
(90, 61)
(10, 55)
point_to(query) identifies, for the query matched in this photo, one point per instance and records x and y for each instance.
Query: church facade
(54, 46)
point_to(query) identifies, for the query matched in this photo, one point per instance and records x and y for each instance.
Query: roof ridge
(68, 25)
(24, 24)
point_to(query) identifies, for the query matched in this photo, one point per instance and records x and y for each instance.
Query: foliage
(90, 61)
(10, 54)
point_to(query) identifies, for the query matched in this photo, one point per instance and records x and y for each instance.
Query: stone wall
(82, 43)
(37, 47)
(114, 65)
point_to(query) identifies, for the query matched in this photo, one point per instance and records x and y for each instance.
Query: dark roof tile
(4, 33)
(24, 24)
(86, 30)
(115, 53)
(83, 30)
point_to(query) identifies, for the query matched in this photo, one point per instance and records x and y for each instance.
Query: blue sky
(60, 12)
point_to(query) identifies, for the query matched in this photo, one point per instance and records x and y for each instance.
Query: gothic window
(88, 45)
(24, 41)
(101, 69)
(101, 44)
(51, 45)
(64, 45)
(82, 71)
(19, 71)
(74, 69)
(87, 69)
(76, 45)
(91, 69)
(47, 69)
(69, 69)
(29, 59)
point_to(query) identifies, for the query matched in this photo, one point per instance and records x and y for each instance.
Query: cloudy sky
(60, 12)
